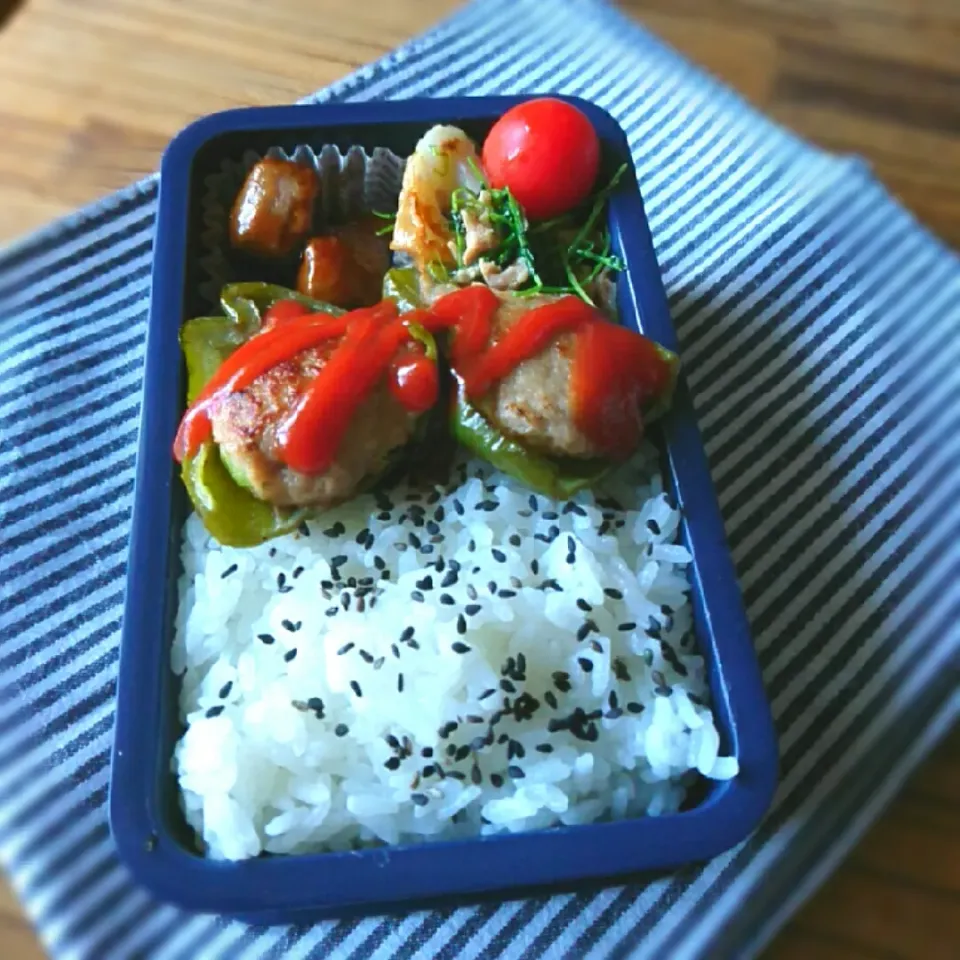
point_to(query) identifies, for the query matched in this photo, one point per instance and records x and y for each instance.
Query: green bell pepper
(560, 479)
(230, 512)
(402, 285)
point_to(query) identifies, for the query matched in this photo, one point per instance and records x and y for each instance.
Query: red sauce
(614, 370)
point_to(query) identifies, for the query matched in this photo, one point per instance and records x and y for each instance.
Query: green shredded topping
(564, 255)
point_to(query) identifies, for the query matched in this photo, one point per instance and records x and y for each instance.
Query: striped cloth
(819, 329)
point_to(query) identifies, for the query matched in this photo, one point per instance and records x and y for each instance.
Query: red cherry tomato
(413, 382)
(282, 311)
(547, 152)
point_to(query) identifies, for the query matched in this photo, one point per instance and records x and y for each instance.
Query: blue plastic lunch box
(151, 834)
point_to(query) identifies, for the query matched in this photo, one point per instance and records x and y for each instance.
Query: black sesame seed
(215, 711)
(345, 600)
(583, 605)
(544, 748)
(499, 555)
(426, 583)
(653, 527)
(472, 609)
(515, 772)
(433, 528)
(488, 505)
(456, 774)
(613, 593)
(556, 724)
(392, 763)
(507, 594)
(355, 687)
(496, 780)
(341, 729)
(503, 738)
(462, 753)
(231, 569)
(586, 664)
(450, 579)
(532, 500)
(475, 775)
(407, 634)
(413, 644)
(461, 624)
(392, 741)
(534, 567)
(225, 690)
(399, 683)
(417, 596)
(458, 507)
(550, 515)
(459, 647)
(515, 540)
(507, 686)
(487, 693)
(427, 549)
(339, 560)
(426, 752)
(471, 546)
(492, 586)
(596, 646)
(634, 707)
(273, 551)
(620, 670)
(415, 541)
(447, 600)
(571, 558)
(346, 648)
(585, 629)
(554, 532)
(627, 627)
(420, 799)
(290, 655)
(551, 698)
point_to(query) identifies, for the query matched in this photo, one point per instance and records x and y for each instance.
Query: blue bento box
(151, 834)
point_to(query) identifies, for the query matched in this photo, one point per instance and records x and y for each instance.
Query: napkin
(819, 330)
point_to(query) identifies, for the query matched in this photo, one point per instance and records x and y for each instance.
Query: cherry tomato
(547, 152)
(413, 382)
(282, 311)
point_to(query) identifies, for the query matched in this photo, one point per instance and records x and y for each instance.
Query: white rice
(301, 735)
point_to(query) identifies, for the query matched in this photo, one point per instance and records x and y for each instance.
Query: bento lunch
(432, 583)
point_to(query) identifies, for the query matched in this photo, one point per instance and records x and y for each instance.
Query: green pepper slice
(402, 285)
(231, 514)
(554, 478)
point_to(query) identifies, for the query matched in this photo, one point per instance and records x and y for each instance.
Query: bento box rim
(380, 878)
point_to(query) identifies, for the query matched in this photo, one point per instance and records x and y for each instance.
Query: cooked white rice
(519, 663)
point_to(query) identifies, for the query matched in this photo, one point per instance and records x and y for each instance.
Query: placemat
(819, 328)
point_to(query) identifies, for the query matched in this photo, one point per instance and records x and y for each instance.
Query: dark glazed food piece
(274, 208)
(347, 267)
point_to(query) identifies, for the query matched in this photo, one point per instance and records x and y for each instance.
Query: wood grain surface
(90, 92)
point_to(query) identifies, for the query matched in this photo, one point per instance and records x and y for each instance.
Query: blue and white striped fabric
(820, 327)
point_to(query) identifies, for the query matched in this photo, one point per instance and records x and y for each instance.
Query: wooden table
(90, 93)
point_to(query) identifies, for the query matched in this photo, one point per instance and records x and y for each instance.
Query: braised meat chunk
(274, 210)
(347, 266)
